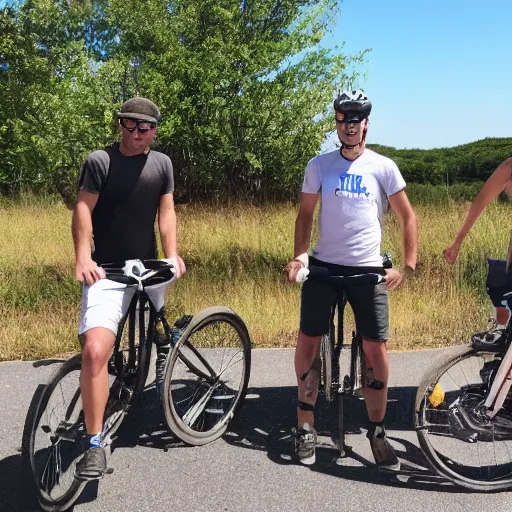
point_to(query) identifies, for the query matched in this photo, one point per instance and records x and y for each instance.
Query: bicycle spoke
(197, 409)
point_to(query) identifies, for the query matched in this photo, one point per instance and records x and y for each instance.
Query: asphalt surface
(250, 468)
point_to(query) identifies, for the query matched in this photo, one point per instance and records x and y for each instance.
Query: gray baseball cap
(139, 109)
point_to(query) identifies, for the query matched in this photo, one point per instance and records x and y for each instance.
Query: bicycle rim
(206, 376)
(453, 431)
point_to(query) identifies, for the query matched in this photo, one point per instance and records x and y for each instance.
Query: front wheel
(458, 439)
(206, 377)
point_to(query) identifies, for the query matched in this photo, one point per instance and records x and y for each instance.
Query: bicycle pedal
(182, 322)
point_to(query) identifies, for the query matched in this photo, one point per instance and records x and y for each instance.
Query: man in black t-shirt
(121, 191)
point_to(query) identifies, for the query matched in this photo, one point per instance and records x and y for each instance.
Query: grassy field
(235, 256)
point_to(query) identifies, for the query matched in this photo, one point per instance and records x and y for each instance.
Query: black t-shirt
(129, 189)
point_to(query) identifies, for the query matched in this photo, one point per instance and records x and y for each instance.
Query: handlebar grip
(157, 265)
(317, 272)
(120, 278)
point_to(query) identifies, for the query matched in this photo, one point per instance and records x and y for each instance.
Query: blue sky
(440, 71)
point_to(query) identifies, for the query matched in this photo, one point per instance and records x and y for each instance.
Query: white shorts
(104, 304)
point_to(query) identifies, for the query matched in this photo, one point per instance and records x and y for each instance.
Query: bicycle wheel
(55, 426)
(206, 377)
(326, 355)
(458, 439)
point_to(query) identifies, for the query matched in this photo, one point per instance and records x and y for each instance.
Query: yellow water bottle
(436, 398)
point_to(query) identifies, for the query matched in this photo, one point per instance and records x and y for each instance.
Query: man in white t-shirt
(356, 186)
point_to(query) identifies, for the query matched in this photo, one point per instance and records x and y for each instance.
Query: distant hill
(467, 162)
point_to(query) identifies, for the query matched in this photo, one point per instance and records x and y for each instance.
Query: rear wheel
(207, 375)
(458, 439)
(55, 426)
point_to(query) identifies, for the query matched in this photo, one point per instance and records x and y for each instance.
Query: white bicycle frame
(501, 385)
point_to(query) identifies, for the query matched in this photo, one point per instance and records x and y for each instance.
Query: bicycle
(199, 400)
(338, 388)
(463, 407)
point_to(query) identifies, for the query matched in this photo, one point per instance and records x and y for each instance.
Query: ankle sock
(374, 424)
(95, 441)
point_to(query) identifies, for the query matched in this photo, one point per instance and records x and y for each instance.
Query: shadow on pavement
(264, 423)
(10, 495)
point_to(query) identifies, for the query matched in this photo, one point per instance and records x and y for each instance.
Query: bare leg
(376, 357)
(98, 346)
(307, 350)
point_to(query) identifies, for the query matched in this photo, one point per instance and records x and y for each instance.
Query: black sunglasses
(350, 121)
(136, 127)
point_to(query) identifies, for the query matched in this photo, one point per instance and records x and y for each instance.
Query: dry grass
(235, 256)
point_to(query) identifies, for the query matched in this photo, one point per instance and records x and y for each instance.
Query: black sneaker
(92, 465)
(384, 455)
(304, 444)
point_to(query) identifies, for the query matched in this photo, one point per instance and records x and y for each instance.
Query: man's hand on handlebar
(295, 265)
(394, 278)
(292, 269)
(88, 272)
(178, 264)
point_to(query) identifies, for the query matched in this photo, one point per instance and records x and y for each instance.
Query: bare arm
(409, 225)
(497, 182)
(168, 231)
(400, 204)
(303, 227)
(86, 269)
(304, 223)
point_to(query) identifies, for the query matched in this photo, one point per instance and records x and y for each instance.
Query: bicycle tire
(326, 355)
(124, 387)
(441, 463)
(188, 361)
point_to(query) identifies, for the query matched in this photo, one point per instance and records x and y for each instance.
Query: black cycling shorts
(368, 302)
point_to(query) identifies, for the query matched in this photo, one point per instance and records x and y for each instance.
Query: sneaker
(384, 455)
(304, 444)
(92, 465)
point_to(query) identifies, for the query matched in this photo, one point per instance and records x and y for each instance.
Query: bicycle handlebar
(137, 272)
(322, 274)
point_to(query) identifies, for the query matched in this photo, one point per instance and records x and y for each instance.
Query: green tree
(244, 88)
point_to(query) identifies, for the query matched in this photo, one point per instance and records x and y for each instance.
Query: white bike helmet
(354, 105)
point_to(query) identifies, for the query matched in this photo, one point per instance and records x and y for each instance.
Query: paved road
(249, 469)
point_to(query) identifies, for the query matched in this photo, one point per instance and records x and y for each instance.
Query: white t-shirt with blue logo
(354, 197)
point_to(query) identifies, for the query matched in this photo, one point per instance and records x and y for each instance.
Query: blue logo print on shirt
(351, 183)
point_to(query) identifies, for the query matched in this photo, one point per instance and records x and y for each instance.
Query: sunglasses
(352, 119)
(137, 127)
